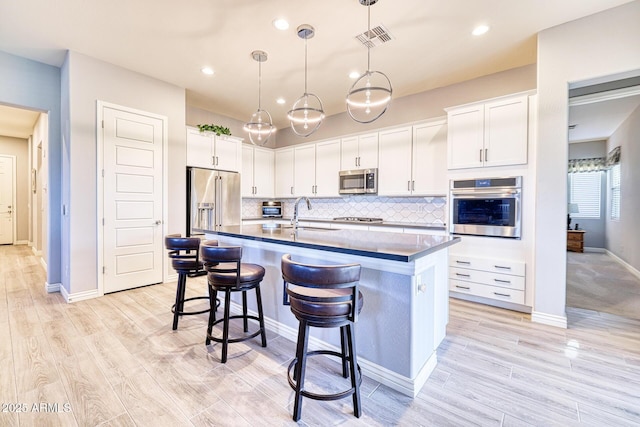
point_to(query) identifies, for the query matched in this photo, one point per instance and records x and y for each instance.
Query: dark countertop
(375, 244)
(441, 227)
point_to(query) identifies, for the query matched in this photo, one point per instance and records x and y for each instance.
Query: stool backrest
(183, 251)
(343, 276)
(222, 259)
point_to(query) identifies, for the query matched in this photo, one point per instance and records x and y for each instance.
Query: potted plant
(218, 130)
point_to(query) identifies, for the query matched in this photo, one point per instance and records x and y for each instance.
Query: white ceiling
(432, 44)
(17, 122)
(598, 120)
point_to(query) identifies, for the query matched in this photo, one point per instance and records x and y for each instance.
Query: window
(586, 192)
(615, 191)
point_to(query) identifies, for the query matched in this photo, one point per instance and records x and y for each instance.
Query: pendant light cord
(305, 65)
(259, 83)
(369, 37)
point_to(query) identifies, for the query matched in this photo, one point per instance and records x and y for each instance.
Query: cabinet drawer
(486, 291)
(574, 236)
(487, 278)
(516, 268)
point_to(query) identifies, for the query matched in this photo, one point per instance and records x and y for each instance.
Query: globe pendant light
(370, 95)
(260, 126)
(307, 112)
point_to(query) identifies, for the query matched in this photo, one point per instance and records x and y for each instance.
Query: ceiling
(598, 120)
(431, 44)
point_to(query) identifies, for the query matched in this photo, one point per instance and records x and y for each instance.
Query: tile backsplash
(421, 210)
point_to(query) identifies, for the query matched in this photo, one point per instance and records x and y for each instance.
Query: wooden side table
(575, 240)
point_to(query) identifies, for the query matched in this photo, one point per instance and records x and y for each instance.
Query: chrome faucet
(294, 220)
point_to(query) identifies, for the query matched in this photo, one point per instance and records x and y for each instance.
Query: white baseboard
(626, 265)
(52, 287)
(549, 319)
(21, 242)
(78, 296)
(598, 250)
(35, 251)
(407, 386)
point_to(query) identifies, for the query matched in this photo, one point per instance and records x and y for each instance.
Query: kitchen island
(403, 281)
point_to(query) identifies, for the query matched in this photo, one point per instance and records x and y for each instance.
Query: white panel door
(247, 174)
(505, 131)
(284, 172)
(304, 170)
(133, 199)
(263, 172)
(394, 178)
(465, 137)
(328, 168)
(6, 200)
(430, 159)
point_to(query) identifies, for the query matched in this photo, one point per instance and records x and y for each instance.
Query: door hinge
(103, 124)
(103, 222)
(104, 269)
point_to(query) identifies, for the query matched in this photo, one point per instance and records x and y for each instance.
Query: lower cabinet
(497, 279)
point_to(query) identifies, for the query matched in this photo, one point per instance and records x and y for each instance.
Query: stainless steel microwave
(486, 207)
(271, 209)
(359, 181)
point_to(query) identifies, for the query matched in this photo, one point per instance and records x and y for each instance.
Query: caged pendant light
(370, 95)
(260, 126)
(307, 112)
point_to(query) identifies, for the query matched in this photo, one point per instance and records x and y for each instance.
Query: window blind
(615, 191)
(586, 192)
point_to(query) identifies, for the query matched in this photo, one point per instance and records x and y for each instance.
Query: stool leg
(212, 313)
(245, 321)
(301, 365)
(177, 306)
(225, 328)
(263, 335)
(345, 353)
(355, 383)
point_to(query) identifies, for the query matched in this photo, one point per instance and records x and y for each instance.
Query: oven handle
(475, 194)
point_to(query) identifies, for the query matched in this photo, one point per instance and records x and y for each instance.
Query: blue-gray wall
(34, 85)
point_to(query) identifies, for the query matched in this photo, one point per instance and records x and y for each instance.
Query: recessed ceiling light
(480, 30)
(354, 75)
(280, 101)
(207, 70)
(281, 24)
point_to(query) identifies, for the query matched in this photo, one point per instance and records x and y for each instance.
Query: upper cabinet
(359, 152)
(413, 160)
(316, 168)
(284, 186)
(258, 166)
(491, 133)
(207, 150)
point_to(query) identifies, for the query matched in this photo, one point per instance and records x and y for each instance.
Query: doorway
(7, 199)
(604, 277)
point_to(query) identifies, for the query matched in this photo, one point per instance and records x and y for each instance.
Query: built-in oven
(486, 207)
(358, 181)
(271, 209)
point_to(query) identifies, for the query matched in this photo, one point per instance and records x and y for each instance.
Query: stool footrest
(244, 338)
(318, 396)
(189, 313)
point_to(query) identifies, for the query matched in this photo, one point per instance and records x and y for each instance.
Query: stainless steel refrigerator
(213, 200)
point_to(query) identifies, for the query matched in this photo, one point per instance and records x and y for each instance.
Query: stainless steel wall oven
(486, 207)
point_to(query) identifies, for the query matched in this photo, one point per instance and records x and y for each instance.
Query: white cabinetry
(360, 152)
(491, 133)
(413, 160)
(257, 172)
(327, 168)
(284, 172)
(207, 150)
(304, 170)
(496, 279)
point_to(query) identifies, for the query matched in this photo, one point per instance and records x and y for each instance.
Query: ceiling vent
(374, 37)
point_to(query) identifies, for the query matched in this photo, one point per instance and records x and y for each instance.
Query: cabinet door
(284, 172)
(247, 175)
(304, 171)
(228, 153)
(394, 170)
(199, 149)
(429, 164)
(368, 151)
(465, 137)
(263, 172)
(505, 131)
(327, 168)
(349, 153)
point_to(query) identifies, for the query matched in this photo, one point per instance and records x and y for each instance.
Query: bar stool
(184, 254)
(226, 273)
(324, 296)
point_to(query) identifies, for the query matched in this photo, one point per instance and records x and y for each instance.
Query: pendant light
(307, 112)
(370, 95)
(260, 126)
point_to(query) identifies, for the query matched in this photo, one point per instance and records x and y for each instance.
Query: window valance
(594, 164)
(613, 158)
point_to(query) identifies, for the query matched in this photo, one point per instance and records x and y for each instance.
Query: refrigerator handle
(218, 199)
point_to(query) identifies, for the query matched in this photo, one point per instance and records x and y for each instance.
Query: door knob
(158, 222)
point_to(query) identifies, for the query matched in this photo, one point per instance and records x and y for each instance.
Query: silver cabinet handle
(503, 267)
(291, 190)
(463, 287)
(413, 186)
(463, 275)
(486, 154)
(408, 185)
(502, 281)
(463, 262)
(502, 295)
(213, 160)
(481, 154)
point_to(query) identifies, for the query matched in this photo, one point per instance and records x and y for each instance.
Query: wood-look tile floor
(114, 361)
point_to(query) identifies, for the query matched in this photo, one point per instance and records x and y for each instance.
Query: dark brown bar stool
(324, 296)
(184, 254)
(226, 273)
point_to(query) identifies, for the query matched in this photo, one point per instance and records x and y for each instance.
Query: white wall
(598, 45)
(90, 80)
(623, 238)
